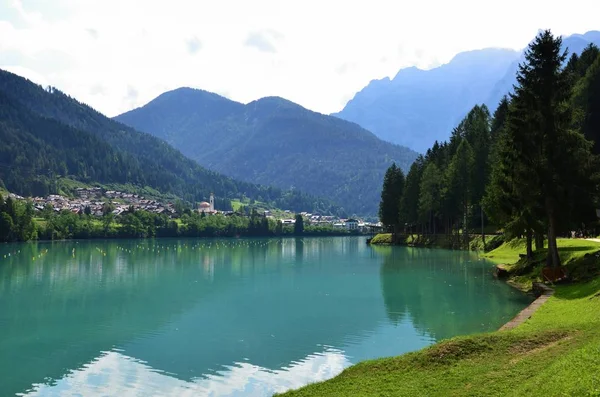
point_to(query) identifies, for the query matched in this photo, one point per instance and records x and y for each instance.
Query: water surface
(245, 317)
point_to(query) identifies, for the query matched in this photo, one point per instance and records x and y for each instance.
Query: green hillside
(46, 135)
(273, 141)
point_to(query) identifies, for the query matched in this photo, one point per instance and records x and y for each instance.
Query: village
(93, 201)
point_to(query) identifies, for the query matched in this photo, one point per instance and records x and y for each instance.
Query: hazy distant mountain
(417, 107)
(575, 44)
(276, 142)
(45, 133)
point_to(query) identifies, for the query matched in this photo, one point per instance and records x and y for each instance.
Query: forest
(530, 170)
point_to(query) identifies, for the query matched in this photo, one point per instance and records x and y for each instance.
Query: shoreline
(564, 335)
(545, 292)
(527, 312)
(109, 238)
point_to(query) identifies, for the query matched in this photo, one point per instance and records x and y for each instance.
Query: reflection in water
(248, 316)
(443, 293)
(115, 374)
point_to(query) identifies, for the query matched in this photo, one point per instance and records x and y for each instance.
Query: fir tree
(459, 180)
(299, 225)
(430, 192)
(409, 203)
(550, 158)
(391, 194)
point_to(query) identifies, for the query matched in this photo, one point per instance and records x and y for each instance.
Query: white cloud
(194, 45)
(156, 45)
(263, 40)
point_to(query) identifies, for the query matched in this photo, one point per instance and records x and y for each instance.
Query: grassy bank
(576, 255)
(382, 239)
(555, 352)
(440, 241)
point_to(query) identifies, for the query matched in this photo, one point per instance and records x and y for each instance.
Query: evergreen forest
(530, 170)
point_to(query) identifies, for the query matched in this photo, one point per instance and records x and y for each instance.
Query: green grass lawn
(568, 248)
(382, 238)
(572, 253)
(554, 353)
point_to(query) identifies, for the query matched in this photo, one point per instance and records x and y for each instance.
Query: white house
(351, 224)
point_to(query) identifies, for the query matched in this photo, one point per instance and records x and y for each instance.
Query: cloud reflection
(116, 374)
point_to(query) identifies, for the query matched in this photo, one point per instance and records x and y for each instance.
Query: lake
(230, 317)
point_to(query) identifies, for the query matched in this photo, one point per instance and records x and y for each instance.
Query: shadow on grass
(589, 289)
(576, 249)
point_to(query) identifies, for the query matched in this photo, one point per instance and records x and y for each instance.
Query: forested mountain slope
(276, 142)
(48, 134)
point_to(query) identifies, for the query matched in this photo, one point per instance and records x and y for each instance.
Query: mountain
(575, 44)
(45, 133)
(276, 142)
(418, 107)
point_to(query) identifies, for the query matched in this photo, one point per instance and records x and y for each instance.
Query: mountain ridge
(277, 142)
(137, 157)
(418, 107)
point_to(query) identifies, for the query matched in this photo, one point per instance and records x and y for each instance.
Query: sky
(116, 55)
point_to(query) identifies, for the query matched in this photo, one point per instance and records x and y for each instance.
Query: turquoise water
(245, 317)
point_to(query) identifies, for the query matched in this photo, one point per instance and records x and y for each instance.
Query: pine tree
(430, 194)
(499, 119)
(409, 203)
(586, 100)
(459, 177)
(299, 225)
(548, 157)
(391, 194)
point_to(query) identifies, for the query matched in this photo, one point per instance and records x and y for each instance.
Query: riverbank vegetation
(531, 170)
(18, 222)
(580, 261)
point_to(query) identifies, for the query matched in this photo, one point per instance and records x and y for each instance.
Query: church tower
(212, 202)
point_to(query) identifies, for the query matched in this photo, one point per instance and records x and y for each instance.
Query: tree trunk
(482, 232)
(539, 241)
(465, 232)
(552, 260)
(429, 228)
(529, 244)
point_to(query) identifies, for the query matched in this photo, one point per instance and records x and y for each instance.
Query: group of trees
(16, 220)
(19, 221)
(443, 190)
(531, 169)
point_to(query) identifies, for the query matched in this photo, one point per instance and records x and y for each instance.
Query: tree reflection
(444, 293)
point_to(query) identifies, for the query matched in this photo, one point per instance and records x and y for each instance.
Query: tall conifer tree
(393, 186)
(548, 156)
